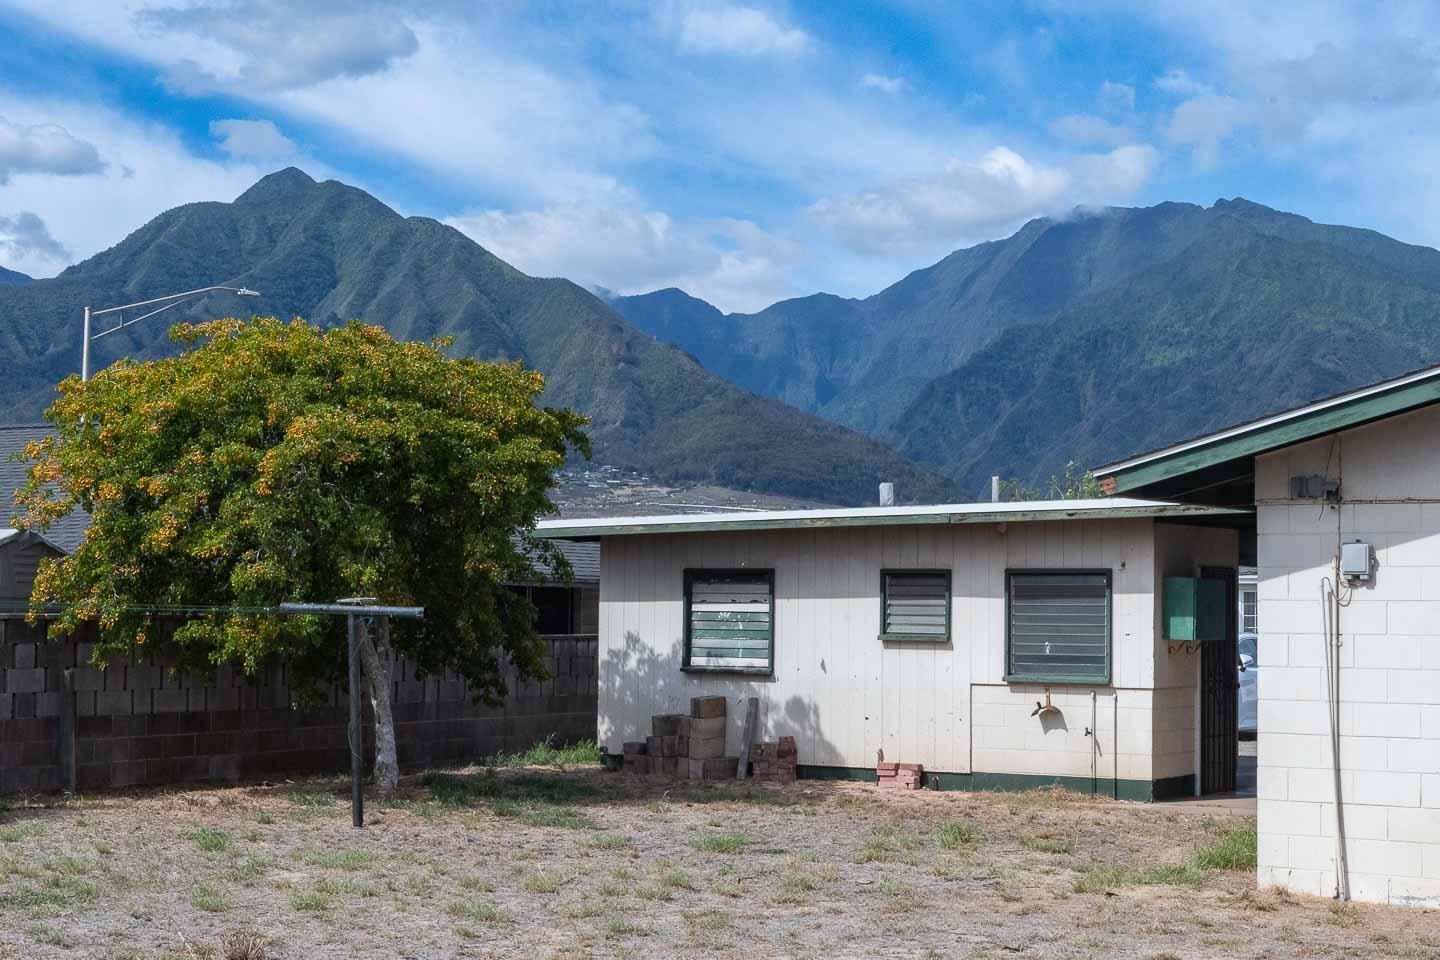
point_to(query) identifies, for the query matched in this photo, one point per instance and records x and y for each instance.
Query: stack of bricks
(685, 745)
(899, 776)
(774, 762)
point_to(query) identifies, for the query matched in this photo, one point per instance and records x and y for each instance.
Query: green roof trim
(1115, 508)
(1319, 419)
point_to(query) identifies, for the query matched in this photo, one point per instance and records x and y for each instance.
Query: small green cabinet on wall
(1194, 609)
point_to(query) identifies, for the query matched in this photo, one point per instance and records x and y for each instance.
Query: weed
(485, 913)
(547, 754)
(476, 885)
(264, 819)
(887, 844)
(210, 898)
(609, 841)
(244, 945)
(581, 910)
(15, 832)
(247, 869)
(710, 919)
(619, 927)
(306, 798)
(721, 843)
(957, 833)
(1344, 914)
(209, 839)
(726, 888)
(542, 882)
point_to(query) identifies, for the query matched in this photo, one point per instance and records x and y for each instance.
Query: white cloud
(739, 30)
(27, 245)
(44, 148)
(1204, 122)
(883, 82)
(259, 139)
(976, 199)
(1088, 130)
(733, 264)
(149, 170)
(271, 45)
(1178, 82)
(1117, 97)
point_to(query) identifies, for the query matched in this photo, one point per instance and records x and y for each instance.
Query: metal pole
(357, 752)
(85, 349)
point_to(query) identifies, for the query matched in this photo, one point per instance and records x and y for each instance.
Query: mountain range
(330, 252)
(1084, 338)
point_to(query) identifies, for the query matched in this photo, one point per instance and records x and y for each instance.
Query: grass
(543, 882)
(16, 832)
(1047, 843)
(955, 834)
(547, 754)
(727, 843)
(310, 798)
(317, 899)
(535, 799)
(610, 841)
(619, 927)
(209, 839)
(1235, 849)
(210, 898)
(485, 913)
(341, 859)
(886, 844)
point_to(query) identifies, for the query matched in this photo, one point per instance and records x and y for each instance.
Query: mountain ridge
(330, 252)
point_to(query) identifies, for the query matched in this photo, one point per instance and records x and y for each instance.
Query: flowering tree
(276, 461)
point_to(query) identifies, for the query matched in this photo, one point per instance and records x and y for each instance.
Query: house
(20, 555)
(1001, 645)
(1346, 493)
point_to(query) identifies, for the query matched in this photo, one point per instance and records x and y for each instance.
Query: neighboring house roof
(1226, 455)
(584, 559)
(10, 535)
(64, 534)
(945, 513)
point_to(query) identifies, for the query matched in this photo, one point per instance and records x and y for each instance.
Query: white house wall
(1389, 666)
(843, 693)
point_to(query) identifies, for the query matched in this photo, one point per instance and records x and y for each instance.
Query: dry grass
(574, 863)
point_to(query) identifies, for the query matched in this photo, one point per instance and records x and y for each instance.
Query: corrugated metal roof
(1019, 512)
(65, 533)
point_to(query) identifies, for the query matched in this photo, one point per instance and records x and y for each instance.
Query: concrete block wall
(1007, 739)
(141, 724)
(1389, 668)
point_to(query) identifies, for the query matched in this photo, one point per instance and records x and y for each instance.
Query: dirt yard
(579, 863)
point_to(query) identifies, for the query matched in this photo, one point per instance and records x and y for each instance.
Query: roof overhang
(1219, 467)
(1116, 508)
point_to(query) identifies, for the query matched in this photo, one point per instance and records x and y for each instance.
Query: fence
(141, 724)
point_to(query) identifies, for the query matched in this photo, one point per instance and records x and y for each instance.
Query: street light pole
(174, 299)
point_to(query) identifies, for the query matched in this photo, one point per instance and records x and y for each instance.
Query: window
(1058, 626)
(915, 605)
(730, 620)
(1247, 611)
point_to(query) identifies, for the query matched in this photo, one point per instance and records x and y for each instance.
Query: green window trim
(887, 634)
(1060, 676)
(752, 630)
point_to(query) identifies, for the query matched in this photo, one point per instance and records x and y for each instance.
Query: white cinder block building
(931, 634)
(1347, 542)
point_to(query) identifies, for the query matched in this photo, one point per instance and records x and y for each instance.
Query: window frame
(711, 573)
(1054, 678)
(888, 637)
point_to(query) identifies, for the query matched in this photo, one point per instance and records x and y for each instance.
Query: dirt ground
(581, 863)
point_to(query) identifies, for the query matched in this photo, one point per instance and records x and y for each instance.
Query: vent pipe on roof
(887, 494)
(995, 488)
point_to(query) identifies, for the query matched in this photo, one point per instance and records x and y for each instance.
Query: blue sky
(744, 151)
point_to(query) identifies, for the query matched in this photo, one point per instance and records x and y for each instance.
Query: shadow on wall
(638, 682)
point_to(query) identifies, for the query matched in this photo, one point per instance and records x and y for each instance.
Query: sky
(743, 151)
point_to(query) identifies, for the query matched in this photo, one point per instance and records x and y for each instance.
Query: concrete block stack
(685, 745)
(900, 776)
(774, 762)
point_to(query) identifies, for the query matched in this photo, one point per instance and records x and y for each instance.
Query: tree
(274, 461)
(1074, 484)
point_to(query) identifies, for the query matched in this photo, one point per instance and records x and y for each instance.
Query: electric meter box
(1355, 561)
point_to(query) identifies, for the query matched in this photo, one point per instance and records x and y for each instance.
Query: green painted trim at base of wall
(1143, 790)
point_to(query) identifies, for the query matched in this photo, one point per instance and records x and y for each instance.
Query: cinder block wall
(140, 724)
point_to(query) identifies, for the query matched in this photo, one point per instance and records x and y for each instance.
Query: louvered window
(1058, 626)
(730, 620)
(915, 605)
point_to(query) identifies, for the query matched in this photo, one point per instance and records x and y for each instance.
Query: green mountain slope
(329, 252)
(1087, 338)
(13, 276)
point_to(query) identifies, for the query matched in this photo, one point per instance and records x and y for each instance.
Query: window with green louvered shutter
(730, 620)
(915, 605)
(1057, 626)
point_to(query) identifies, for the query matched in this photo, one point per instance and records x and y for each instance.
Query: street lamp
(175, 299)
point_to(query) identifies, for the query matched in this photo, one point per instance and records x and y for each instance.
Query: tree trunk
(379, 660)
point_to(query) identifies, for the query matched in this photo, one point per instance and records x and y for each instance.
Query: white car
(1249, 675)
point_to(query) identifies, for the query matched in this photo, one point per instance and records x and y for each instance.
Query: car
(1247, 711)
